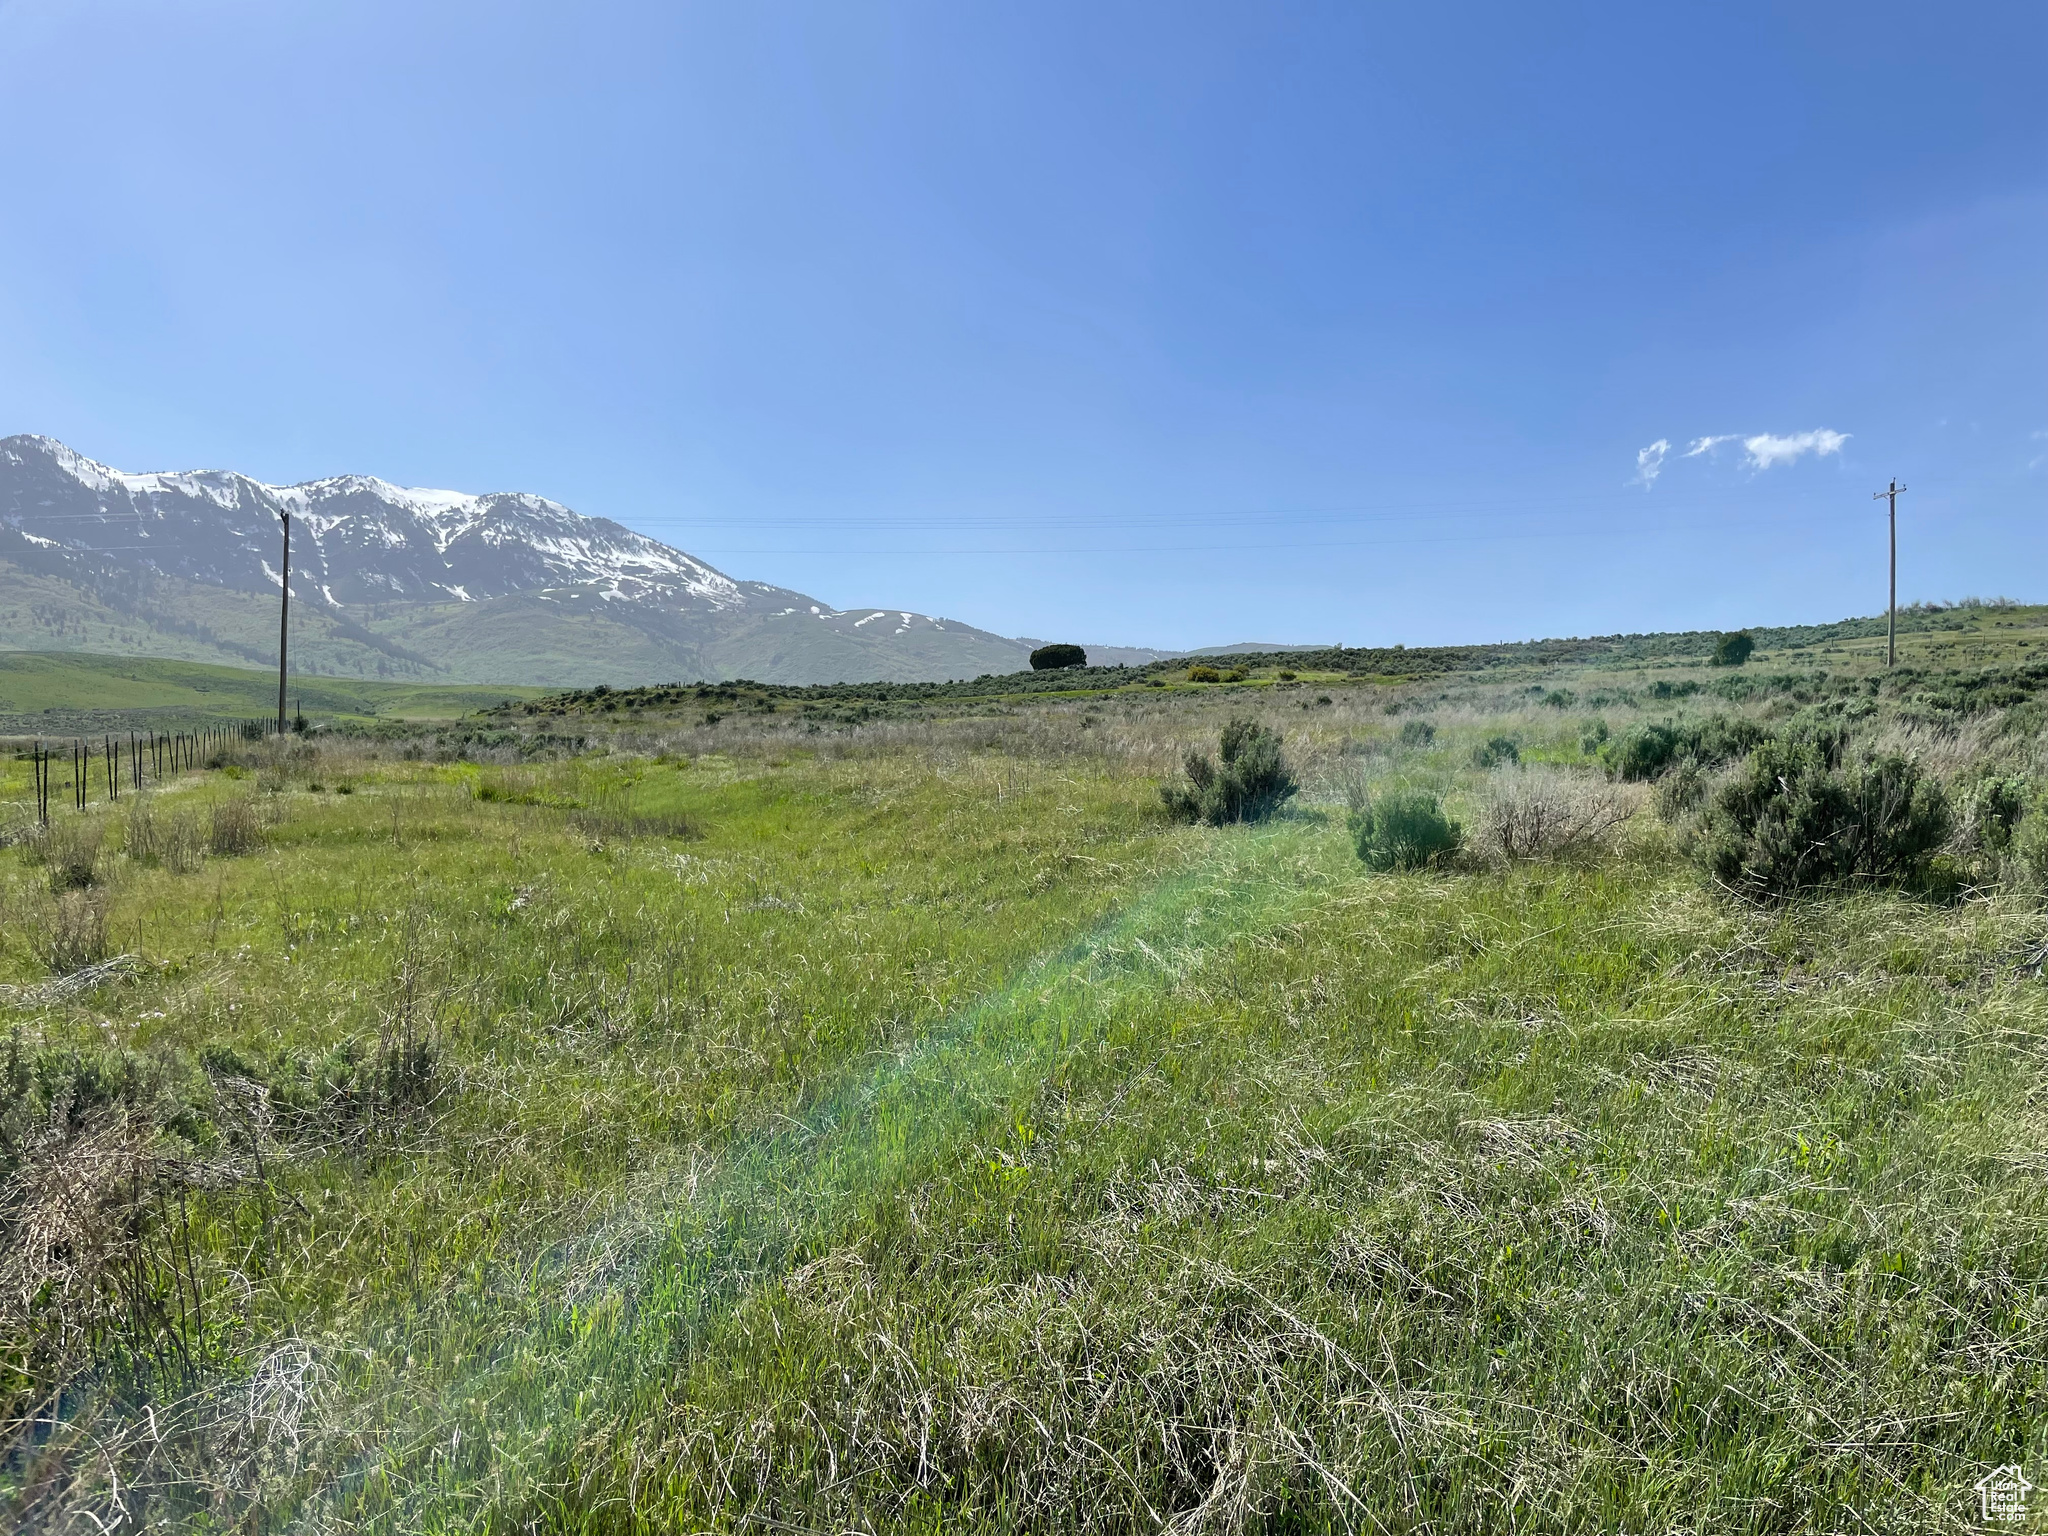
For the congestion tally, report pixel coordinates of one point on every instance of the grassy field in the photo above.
(54, 692)
(777, 1116)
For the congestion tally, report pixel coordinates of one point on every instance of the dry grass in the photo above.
(70, 848)
(70, 933)
(174, 840)
(1542, 812)
(234, 827)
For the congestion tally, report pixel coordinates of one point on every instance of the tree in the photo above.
(1048, 658)
(1732, 650)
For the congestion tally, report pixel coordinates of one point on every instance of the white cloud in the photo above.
(1650, 462)
(1767, 448)
(1702, 445)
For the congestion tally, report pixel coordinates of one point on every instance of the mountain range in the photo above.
(393, 582)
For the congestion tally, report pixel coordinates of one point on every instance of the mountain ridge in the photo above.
(391, 580)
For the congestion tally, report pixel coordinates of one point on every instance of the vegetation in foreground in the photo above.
(907, 1123)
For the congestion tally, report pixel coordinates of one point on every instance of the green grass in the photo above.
(74, 684)
(905, 1127)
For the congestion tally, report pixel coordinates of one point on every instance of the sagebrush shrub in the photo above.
(2026, 855)
(1648, 749)
(1681, 791)
(1992, 808)
(1251, 782)
(1795, 817)
(1495, 751)
(1417, 733)
(1544, 813)
(1404, 829)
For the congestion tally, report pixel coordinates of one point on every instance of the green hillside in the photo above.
(58, 691)
(570, 637)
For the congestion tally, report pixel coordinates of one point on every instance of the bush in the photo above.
(1404, 829)
(1560, 698)
(1251, 783)
(1048, 658)
(1681, 791)
(1796, 819)
(1732, 651)
(1204, 674)
(1541, 812)
(1417, 733)
(1992, 810)
(1649, 749)
(1495, 751)
(1593, 737)
(2026, 856)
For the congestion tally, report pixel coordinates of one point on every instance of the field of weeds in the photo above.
(904, 1124)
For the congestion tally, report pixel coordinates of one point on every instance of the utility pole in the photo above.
(1891, 613)
(284, 612)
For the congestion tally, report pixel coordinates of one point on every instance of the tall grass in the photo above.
(907, 1127)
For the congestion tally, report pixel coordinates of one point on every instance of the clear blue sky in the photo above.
(1155, 324)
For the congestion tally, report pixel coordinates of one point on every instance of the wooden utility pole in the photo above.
(284, 612)
(1891, 613)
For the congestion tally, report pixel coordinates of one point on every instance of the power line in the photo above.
(1468, 537)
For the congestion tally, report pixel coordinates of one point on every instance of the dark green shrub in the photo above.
(1680, 791)
(1795, 818)
(1649, 749)
(1404, 829)
(1645, 752)
(1048, 658)
(1250, 784)
(1994, 807)
(1593, 737)
(1417, 733)
(1495, 751)
(1204, 674)
(1732, 651)
(1722, 738)
(1560, 698)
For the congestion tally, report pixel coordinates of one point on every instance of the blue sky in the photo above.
(1165, 324)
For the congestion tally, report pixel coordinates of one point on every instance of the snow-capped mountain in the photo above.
(356, 539)
(389, 567)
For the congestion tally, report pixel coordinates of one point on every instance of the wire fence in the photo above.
(83, 769)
